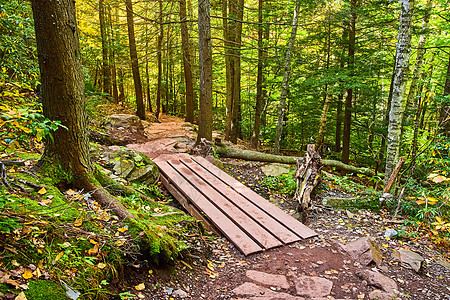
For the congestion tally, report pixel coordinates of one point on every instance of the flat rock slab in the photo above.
(275, 169)
(256, 292)
(409, 258)
(278, 281)
(379, 280)
(313, 287)
(364, 250)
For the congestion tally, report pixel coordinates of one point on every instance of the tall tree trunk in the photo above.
(349, 96)
(106, 71)
(114, 40)
(187, 64)
(444, 114)
(327, 98)
(419, 56)
(260, 90)
(337, 137)
(134, 62)
(236, 94)
(121, 87)
(205, 66)
(286, 75)
(399, 86)
(160, 39)
(228, 36)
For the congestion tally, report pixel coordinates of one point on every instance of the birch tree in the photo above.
(398, 101)
(287, 74)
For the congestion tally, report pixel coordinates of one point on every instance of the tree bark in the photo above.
(307, 176)
(444, 114)
(349, 96)
(140, 112)
(205, 66)
(284, 86)
(399, 86)
(419, 57)
(160, 39)
(62, 88)
(187, 65)
(106, 70)
(114, 40)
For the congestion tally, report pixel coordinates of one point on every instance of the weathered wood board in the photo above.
(249, 221)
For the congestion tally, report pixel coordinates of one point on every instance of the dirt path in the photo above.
(316, 268)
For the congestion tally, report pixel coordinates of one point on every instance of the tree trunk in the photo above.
(121, 87)
(160, 39)
(399, 86)
(134, 62)
(205, 66)
(260, 90)
(114, 40)
(62, 89)
(106, 71)
(349, 96)
(187, 64)
(444, 114)
(337, 137)
(307, 176)
(286, 75)
(236, 94)
(228, 36)
(419, 57)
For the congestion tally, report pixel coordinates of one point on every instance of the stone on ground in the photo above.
(256, 292)
(275, 169)
(379, 280)
(277, 281)
(409, 258)
(313, 287)
(380, 295)
(131, 122)
(364, 250)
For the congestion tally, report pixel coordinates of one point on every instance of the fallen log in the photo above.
(307, 176)
(225, 151)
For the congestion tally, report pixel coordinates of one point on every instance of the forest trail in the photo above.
(317, 268)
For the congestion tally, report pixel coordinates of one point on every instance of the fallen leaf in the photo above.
(101, 265)
(21, 296)
(78, 222)
(120, 242)
(122, 229)
(70, 192)
(27, 274)
(58, 257)
(42, 191)
(40, 264)
(140, 287)
(94, 250)
(12, 282)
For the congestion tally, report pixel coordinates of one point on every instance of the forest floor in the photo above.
(217, 270)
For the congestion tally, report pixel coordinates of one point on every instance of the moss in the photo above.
(28, 155)
(45, 290)
(53, 171)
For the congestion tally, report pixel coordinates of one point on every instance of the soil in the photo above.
(216, 267)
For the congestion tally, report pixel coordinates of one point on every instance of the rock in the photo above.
(214, 161)
(380, 295)
(313, 287)
(379, 280)
(364, 250)
(275, 169)
(409, 258)
(278, 281)
(124, 167)
(147, 174)
(125, 121)
(256, 292)
(180, 294)
(444, 263)
(390, 233)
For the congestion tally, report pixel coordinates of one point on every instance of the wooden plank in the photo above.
(260, 216)
(285, 219)
(244, 221)
(237, 236)
(187, 205)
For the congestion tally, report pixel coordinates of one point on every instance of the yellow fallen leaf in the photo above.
(93, 250)
(120, 242)
(42, 191)
(101, 265)
(140, 287)
(78, 222)
(27, 274)
(21, 296)
(58, 257)
(70, 192)
(37, 273)
(94, 242)
(122, 229)
(40, 264)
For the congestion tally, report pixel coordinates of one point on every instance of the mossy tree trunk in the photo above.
(62, 89)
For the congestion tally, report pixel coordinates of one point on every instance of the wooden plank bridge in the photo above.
(249, 221)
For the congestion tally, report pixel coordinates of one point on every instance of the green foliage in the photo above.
(283, 184)
(24, 127)
(18, 60)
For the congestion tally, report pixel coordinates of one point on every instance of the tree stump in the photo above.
(307, 176)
